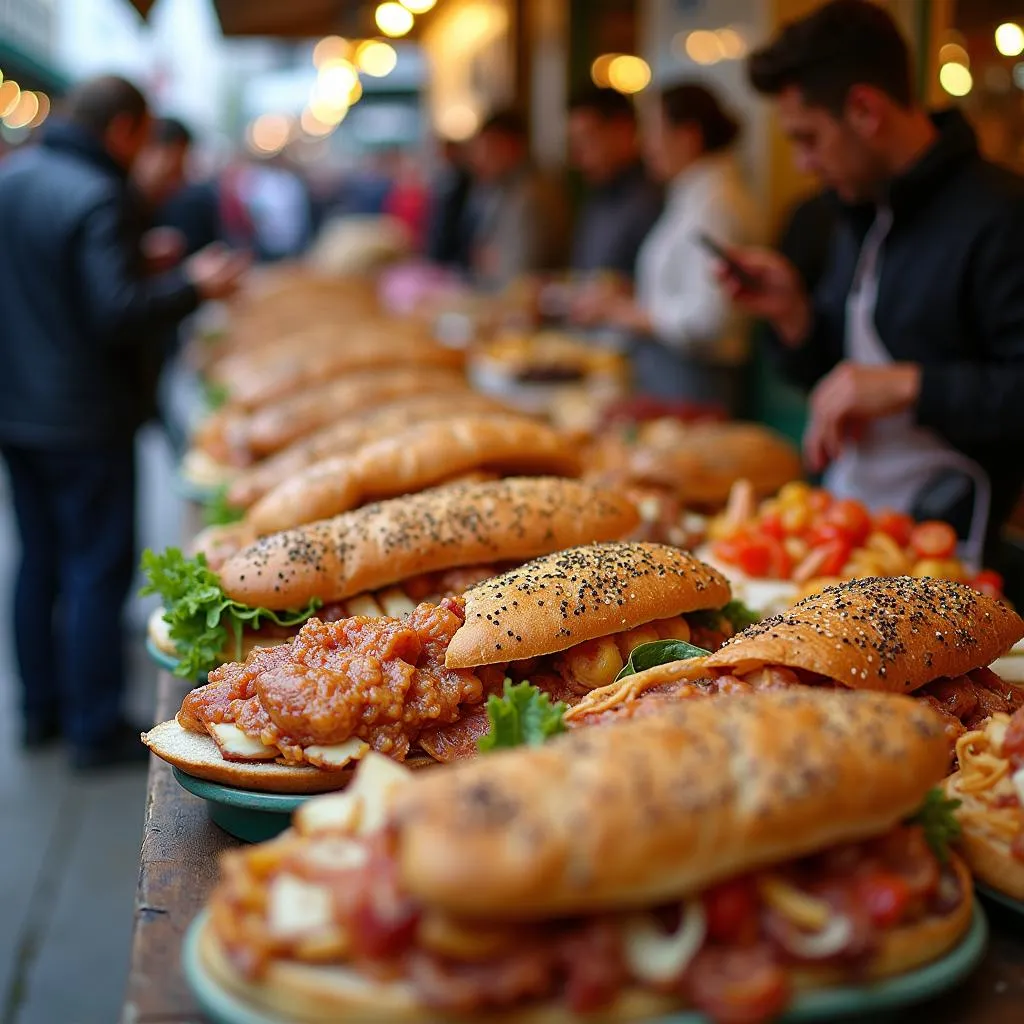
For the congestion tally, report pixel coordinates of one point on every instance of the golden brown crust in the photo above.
(444, 528)
(734, 783)
(893, 634)
(418, 457)
(350, 431)
(563, 599)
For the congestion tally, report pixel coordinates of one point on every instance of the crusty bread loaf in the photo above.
(299, 365)
(562, 599)
(352, 431)
(279, 424)
(418, 457)
(384, 543)
(885, 633)
(653, 810)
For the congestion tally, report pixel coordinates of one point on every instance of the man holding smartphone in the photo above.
(913, 341)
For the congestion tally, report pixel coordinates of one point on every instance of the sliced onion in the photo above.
(949, 894)
(656, 957)
(820, 945)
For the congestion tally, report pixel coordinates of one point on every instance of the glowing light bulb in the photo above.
(955, 79)
(1010, 39)
(629, 75)
(419, 6)
(393, 19)
(376, 58)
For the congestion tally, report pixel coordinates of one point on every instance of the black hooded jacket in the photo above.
(950, 298)
(80, 323)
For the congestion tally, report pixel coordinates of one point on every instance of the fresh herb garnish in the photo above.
(218, 511)
(659, 652)
(215, 395)
(939, 823)
(198, 613)
(524, 715)
(735, 613)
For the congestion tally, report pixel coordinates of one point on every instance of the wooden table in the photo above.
(179, 867)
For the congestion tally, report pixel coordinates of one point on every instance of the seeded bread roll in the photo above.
(563, 599)
(893, 633)
(275, 426)
(466, 524)
(421, 456)
(650, 811)
(352, 431)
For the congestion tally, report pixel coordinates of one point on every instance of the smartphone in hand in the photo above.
(749, 282)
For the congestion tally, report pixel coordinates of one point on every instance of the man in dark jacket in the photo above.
(80, 314)
(913, 340)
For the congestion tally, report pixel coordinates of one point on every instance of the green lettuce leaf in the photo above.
(524, 715)
(736, 613)
(218, 511)
(659, 652)
(214, 395)
(199, 615)
(939, 822)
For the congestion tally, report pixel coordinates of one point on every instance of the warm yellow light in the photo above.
(1010, 39)
(10, 93)
(356, 93)
(313, 126)
(328, 111)
(338, 78)
(376, 58)
(704, 47)
(44, 110)
(269, 133)
(393, 19)
(419, 6)
(23, 113)
(954, 53)
(330, 48)
(732, 45)
(600, 68)
(458, 122)
(955, 79)
(629, 74)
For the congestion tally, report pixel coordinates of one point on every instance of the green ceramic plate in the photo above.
(225, 1008)
(167, 661)
(988, 893)
(243, 813)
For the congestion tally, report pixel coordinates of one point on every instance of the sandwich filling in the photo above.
(730, 951)
(343, 687)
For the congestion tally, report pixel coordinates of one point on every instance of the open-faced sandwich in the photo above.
(989, 786)
(932, 638)
(725, 857)
(422, 684)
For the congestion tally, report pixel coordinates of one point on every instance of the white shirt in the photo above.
(676, 282)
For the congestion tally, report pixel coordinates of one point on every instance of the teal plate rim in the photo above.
(1001, 898)
(224, 1007)
(232, 796)
(167, 661)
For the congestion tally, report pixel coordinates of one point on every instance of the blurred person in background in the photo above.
(447, 227)
(408, 200)
(622, 202)
(517, 215)
(80, 314)
(279, 204)
(688, 344)
(913, 341)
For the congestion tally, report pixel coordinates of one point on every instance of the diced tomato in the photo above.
(771, 524)
(933, 539)
(837, 555)
(897, 525)
(756, 554)
(795, 519)
(731, 910)
(988, 582)
(852, 519)
(886, 897)
(819, 501)
(738, 986)
(821, 532)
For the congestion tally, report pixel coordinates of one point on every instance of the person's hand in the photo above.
(162, 249)
(216, 271)
(851, 396)
(774, 291)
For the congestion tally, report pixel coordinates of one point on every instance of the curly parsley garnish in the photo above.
(939, 823)
(524, 715)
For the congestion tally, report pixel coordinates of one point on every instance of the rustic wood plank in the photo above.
(178, 868)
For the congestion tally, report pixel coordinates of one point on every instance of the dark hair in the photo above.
(94, 104)
(690, 103)
(843, 44)
(169, 131)
(607, 104)
(505, 122)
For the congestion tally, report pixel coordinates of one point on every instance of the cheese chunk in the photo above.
(234, 745)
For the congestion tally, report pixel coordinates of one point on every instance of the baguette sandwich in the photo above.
(725, 858)
(565, 622)
(989, 786)
(933, 638)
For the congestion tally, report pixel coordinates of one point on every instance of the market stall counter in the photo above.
(179, 868)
